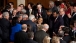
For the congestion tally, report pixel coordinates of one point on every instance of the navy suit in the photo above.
(57, 23)
(32, 24)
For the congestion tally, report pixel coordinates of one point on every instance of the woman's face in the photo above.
(40, 20)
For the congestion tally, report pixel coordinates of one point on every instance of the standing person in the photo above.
(5, 26)
(64, 17)
(30, 10)
(21, 36)
(40, 12)
(30, 21)
(61, 35)
(74, 13)
(57, 22)
(16, 27)
(30, 37)
(52, 6)
(11, 6)
(41, 34)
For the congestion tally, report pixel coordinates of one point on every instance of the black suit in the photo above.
(28, 12)
(21, 37)
(32, 24)
(42, 13)
(31, 41)
(72, 34)
(57, 23)
(62, 41)
(66, 21)
(5, 26)
(67, 38)
(39, 36)
(73, 16)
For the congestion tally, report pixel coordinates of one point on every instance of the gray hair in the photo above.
(45, 26)
(19, 15)
(24, 16)
(5, 14)
(51, 3)
(31, 17)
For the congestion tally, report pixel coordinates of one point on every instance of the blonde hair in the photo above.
(55, 40)
(46, 39)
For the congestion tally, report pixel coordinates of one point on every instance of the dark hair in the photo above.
(11, 3)
(7, 7)
(61, 33)
(31, 4)
(55, 11)
(21, 4)
(66, 29)
(14, 21)
(30, 34)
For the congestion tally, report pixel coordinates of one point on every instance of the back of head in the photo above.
(66, 29)
(24, 27)
(45, 27)
(25, 17)
(5, 15)
(14, 21)
(60, 33)
(30, 35)
(32, 18)
(55, 39)
(46, 39)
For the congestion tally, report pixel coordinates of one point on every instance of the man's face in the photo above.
(61, 12)
(74, 9)
(39, 6)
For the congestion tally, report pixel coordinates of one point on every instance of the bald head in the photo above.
(24, 27)
(45, 27)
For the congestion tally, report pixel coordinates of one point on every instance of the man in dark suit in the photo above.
(31, 36)
(30, 22)
(21, 37)
(57, 22)
(40, 12)
(39, 35)
(30, 10)
(60, 35)
(66, 37)
(5, 26)
(52, 6)
(74, 13)
(65, 17)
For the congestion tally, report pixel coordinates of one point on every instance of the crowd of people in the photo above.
(36, 24)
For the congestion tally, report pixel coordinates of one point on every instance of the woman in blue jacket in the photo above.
(16, 27)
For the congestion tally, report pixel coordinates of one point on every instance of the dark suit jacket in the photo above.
(53, 9)
(62, 41)
(28, 13)
(31, 41)
(32, 24)
(39, 36)
(56, 24)
(43, 14)
(5, 26)
(67, 38)
(72, 34)
(73, 17)
(21, 37)
(66, 21)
